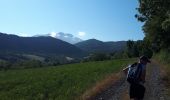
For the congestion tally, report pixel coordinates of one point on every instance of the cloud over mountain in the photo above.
(65, 37)
(81, 34)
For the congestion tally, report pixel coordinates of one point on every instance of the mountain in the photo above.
(117, 45)
(93, 45)
(42, 45)
(63, 36)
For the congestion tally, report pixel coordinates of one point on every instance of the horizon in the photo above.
(102, 20)
(46, 35)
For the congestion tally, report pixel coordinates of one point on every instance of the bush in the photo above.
(27, 64)
(164, 56)
(4, 65)
(98, 57)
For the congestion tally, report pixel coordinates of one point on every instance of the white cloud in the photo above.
(67, 37)
(81, 34)
(54, 34)
(23, 34)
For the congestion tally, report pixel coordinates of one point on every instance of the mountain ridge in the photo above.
(52, 46)
(40, 45)
(94, 45)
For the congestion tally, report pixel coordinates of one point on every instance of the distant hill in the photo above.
(44, 45)
(93, 45)
(65, 37)
(117, 45)
(62, 36)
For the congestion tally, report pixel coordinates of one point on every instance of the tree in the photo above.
(156, 17)
(97, 57)
(5, 65)
(138, 48)
(130, 48)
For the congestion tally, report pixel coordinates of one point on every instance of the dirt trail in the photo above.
(155, 89)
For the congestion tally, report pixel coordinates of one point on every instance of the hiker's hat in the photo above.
(145, 59)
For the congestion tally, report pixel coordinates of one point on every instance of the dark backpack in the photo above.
(134, 73)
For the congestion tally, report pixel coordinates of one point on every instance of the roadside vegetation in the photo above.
(164, 59)
(155, 15)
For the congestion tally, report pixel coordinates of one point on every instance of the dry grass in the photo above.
(166, 81)
(101, 86)
(165, 72)
(125, 95)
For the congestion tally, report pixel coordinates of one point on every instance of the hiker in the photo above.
(136, 77)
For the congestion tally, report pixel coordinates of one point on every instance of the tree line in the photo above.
(155, 14)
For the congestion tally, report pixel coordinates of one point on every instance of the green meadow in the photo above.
(64, 82)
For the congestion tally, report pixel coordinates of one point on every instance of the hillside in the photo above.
(62, 36)
(117, 45)
(66, 82)
(93, 45)
(38, 45)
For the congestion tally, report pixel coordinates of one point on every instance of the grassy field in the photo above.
(66, 82)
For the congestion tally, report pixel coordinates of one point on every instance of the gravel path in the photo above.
(155, 89)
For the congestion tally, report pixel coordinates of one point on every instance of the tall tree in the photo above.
(130, 48)
(156, 17)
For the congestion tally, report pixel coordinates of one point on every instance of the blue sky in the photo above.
(106, 20)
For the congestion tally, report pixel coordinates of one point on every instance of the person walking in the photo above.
(136, 74)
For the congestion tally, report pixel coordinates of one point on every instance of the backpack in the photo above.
(134, 73)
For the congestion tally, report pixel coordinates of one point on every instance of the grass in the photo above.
(66, 82)
(164, 60)
(165, 72)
